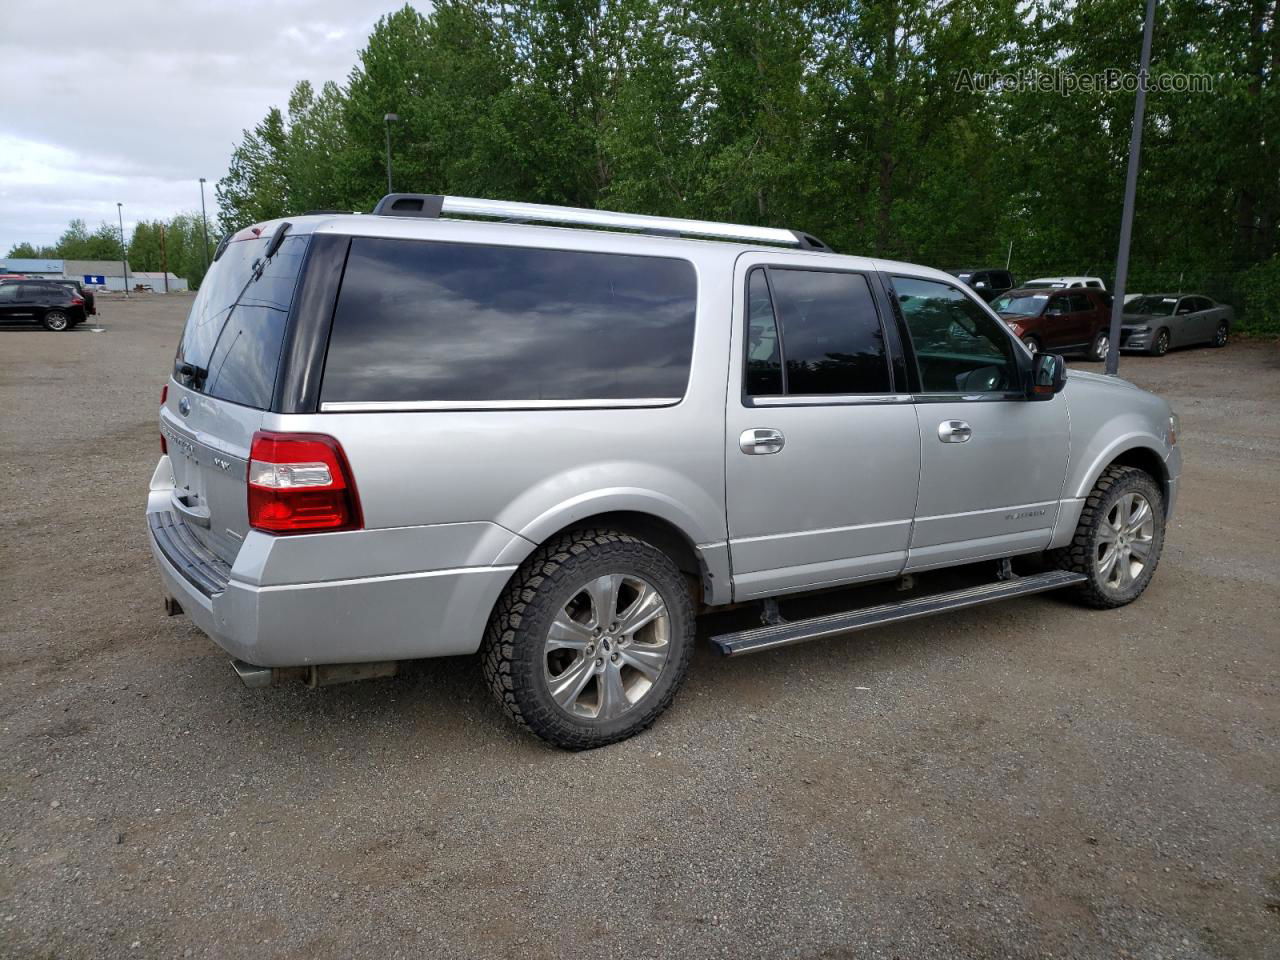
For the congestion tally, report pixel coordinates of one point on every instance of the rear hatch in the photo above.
(223, 379)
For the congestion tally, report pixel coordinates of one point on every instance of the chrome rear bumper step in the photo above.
(816, 628)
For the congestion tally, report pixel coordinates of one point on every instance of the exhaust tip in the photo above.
(251, 675)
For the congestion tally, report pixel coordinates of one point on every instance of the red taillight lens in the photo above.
(77, 301)
(300, 483)
(164, 396)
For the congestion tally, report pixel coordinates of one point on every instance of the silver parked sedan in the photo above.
(1156, 322)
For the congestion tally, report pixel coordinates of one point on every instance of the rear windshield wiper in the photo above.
(273, 245)
(191, 372)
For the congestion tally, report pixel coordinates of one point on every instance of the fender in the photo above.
(534, 528)
(1099, 459)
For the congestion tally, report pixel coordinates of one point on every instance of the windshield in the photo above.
(231, 345)
(1152, 306)
(1023, 304)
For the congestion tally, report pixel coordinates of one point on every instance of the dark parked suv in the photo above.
(1060, 321)
(985, 282)
(52, 303)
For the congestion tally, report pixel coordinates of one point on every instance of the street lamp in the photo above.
(389, 119)
(124, 255)
(204, 219)
(1130, 188)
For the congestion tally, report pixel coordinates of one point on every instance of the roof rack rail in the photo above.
(433, 206)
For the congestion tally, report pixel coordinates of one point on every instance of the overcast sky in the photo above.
(133, 102)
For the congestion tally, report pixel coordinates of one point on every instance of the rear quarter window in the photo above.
(426, 322)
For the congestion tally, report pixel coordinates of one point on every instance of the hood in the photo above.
(1138, 319)
(1100, 379)
(1018, 317)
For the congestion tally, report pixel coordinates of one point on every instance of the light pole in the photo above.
(1130, 189)
(124, 254)
(204, 219)
(389, 119)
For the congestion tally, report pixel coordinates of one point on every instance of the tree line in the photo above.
(177, 242)
(860, 122)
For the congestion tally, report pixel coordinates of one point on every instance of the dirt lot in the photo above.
(1024, 780)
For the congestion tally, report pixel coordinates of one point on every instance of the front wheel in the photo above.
(1101, 344)
(1221, 335)
(1160, 345)
(1032, 344)
(56, 320)
(1118, 540)
(591, 640)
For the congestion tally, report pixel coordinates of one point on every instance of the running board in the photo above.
(800, 631)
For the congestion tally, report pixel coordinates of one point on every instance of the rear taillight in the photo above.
(77, 301)
(300, 483)
(164, 396)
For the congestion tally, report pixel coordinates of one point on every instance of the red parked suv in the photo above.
(1060, 321)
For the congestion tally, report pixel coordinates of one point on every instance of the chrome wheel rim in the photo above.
(56, 321)
(1221, 337)
(1104, 344)
(607, 647)
(1031, 345)
(1125, 541)
(1162, 343)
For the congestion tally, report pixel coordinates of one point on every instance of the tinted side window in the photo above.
(8, 291)
(422, 321)
(832, 342)
(1080, 302)
(959, 346)
(764, 352)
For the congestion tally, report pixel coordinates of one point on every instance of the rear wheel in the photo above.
(56, 320)
(1160, 345)
(1118, 540)
(591, 640)
(1098, 349)
(1221, 335)
(1032, 344)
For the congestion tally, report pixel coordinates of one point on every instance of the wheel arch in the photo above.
(707, 564)
(1135, 451)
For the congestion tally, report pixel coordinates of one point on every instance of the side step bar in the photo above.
(800, 631)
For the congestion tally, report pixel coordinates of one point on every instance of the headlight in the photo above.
(1175, 427)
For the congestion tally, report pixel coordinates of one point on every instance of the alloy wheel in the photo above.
(1220, 338)
(1032, 345)
(55, 320)
(1125, 541)
(1100, 351)
(607, 647)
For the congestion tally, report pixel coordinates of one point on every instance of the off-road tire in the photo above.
(512, 655)
(1080, 555)
(1159, 343)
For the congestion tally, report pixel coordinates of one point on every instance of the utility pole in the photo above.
(164, 259)
(1130, 189)
(389, 119)
(124, 251)
(204, 219)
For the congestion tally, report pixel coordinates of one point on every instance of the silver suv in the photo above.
(456, 427)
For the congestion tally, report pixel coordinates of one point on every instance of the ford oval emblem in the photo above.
(184, 406)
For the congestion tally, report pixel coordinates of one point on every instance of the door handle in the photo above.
(189, 513)
(761, 440)
(954, 431)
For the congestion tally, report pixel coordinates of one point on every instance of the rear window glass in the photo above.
(236, 324)
(427, 322)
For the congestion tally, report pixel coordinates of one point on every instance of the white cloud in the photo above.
(136, 100)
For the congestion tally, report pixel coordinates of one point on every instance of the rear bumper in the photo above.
(400, 616)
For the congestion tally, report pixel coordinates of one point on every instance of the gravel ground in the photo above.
(1022, 780)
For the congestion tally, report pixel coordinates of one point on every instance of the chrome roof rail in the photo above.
(433, 206)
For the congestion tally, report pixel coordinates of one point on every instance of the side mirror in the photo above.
(1048, 376)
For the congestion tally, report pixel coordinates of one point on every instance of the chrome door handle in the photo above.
(761, 440)
(954, 431)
